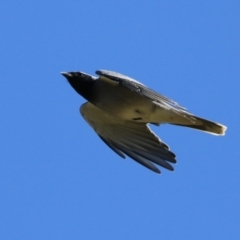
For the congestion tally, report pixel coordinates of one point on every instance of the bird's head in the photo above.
(81, 82)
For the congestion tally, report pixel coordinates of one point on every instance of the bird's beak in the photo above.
(66, 74)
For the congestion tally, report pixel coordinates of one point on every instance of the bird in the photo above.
(120, 109)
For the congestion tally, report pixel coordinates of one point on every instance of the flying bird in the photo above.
(120, 108)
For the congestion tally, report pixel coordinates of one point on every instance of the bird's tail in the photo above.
(206, 126)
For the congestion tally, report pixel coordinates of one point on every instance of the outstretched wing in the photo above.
(133, 139)
(141, 89)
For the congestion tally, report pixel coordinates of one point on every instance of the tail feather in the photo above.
(206, 126)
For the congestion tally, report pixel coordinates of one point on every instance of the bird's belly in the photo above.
(128, 105)
(122, 102)
(148, 112)
(145, 111)
(132, 107)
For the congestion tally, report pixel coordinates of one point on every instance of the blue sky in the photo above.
(57, 178)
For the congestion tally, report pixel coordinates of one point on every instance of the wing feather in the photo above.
(133, 139)
(116, 150)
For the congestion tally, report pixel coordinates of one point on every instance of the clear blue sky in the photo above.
(58, 180)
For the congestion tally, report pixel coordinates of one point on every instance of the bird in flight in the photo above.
(120, 108)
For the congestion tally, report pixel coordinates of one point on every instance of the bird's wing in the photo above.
(135, 140)
(141, 89)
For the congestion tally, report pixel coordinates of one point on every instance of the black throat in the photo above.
(85, 88)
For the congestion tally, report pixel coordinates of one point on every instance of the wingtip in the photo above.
(157, 171)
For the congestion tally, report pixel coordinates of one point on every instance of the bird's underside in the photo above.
(120, 109)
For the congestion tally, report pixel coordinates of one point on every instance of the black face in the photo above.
(82, 83)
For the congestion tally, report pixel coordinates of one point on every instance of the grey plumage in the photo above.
(119, 109)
